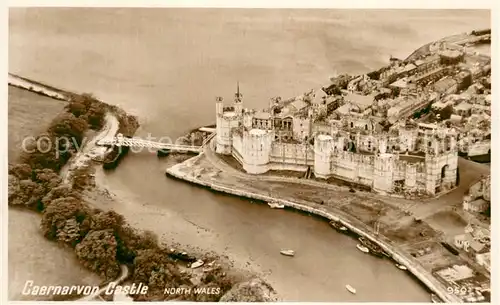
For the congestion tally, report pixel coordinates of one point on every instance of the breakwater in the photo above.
(329, 213)
(36, 87)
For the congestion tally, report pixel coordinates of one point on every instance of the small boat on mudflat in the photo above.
(350, 289)
(402, 267)
(374, 248)
(338, 226)
(275, 205)
(435, 299)
(197, 264)
(287, 252)
(362, 248)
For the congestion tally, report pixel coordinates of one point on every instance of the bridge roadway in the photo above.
(119, 140)
(138, 142)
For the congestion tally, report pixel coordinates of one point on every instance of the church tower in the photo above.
(238, 104)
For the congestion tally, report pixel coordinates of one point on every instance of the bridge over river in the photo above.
(120, 140)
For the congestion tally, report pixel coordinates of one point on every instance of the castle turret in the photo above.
(238, 102)
(383, 171)
(452, 139)
(410, 176)
(382, 145)
(323, 149)
(310, 112)
(257, 144)
(225, 122)
(441, 165)
(247, 119)
(340, 144)
(219, 106)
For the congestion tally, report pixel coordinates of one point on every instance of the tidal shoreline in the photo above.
(83, 160)
(345, 219)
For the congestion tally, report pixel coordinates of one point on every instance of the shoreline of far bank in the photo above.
(329, 213)
(218, 272)
(37, 87)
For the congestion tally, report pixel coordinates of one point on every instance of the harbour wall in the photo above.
(346, 220)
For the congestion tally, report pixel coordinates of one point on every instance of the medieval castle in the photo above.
(308, 134)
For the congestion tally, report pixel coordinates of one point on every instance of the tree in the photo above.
(130, 241)
(81, 178)
(106, 220)
(41, 153)
(67, 125)
(27, 192)
(30, 192)
(87, 107)
(57, 192)
(95, 115)
(86, 99)
(21, 171)
(255, 290)
(76, 108)
(97, 252)
(24, 192)
(152, 267)
(13, 187)
(69, 232)
(58, 212)
(47, 178)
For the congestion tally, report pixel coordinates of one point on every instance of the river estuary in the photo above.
(167, 66)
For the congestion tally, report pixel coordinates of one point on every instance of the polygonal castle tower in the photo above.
(441, 162)
(237, 136)
(323, 154)
(227, 118)
(383, 169)
(257, 145)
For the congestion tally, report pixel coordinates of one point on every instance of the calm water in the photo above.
(167, 66)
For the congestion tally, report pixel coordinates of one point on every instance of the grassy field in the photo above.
(31, 256)
(29, 114)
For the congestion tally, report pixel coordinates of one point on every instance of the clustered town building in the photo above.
(396, 130)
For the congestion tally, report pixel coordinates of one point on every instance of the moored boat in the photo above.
(338, 226)
(362, 248)
(374, 249)
(197, 264)
(275, 205)
(287, 252)
(435, 299)
(402, 267)
(350, 289)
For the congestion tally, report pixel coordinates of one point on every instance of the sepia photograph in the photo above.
(249, 154)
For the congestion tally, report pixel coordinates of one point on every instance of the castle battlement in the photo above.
(290, 136)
